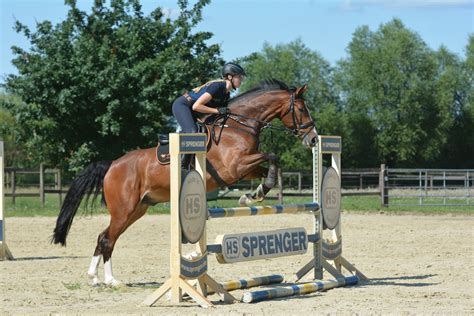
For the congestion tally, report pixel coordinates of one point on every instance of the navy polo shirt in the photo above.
(216, 88)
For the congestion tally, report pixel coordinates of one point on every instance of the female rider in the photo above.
(210, 98)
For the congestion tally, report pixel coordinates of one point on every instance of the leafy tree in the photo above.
(459, 78)
(396, 97)
(296, 65)
(9, 132)
(99, 84)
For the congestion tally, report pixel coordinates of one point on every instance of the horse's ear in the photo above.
(299, 91)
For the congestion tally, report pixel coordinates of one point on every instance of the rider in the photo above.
(210, 98)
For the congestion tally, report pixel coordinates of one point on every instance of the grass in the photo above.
(71, 286)
(31, 206)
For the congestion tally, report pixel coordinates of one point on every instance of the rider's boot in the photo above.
(186, 161)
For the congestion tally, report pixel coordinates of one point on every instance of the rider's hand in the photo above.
(223, 111)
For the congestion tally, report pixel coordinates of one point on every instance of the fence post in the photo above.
(467, 184)
(60, 187)
(299, 182)
(280, 186)
(383, 186)
(13, 186)
(42, 184)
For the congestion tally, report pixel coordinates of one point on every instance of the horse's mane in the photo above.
(265, 85)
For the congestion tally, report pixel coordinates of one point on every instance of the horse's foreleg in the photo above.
(263, 188)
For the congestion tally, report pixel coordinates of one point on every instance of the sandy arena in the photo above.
(417, 265)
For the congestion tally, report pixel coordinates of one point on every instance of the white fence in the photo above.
(435, 187)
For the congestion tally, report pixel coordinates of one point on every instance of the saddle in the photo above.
(205, 125)
(163, 147)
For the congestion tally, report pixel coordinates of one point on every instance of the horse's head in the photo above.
(272, 99)
(296, 116)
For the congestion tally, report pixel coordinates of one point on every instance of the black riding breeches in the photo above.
(183, 113)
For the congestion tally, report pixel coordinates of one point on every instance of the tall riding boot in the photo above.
(185, 161)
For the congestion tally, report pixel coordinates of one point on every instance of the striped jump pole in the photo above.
(298, 289)
(249, 283)
(261, 210)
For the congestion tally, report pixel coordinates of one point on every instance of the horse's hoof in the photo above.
(96, 282)
(246, 200)
(114, 283)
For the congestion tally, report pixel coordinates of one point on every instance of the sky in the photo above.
(243, 26)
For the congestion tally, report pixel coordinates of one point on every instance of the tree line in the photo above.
(99, 84)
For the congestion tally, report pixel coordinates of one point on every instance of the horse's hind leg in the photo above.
(94, 266)
(106, 242)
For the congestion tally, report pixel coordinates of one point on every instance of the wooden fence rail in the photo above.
(12, 185)
(295, 183)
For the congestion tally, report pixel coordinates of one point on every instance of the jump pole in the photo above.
(251, 282)
(5, 253)
(298, 289)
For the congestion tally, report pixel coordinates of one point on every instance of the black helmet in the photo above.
(232, 69)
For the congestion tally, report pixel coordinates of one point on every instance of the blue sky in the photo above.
(243, 26)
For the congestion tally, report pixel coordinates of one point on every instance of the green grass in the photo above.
(71, 286)
(31, 206)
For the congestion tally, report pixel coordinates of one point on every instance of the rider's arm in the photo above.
(200, 104)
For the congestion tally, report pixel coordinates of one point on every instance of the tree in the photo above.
(9, 132)
(397, 106)
(97, 85)
(458, 76)
(296, 65)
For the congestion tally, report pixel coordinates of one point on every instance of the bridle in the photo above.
(295, 129)
(296, 126)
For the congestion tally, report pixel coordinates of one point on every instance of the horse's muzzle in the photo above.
(311, 139)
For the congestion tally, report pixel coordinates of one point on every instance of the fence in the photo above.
(299, 184)
(433, 187)
(21, 182)
(352, 179)
(33, 183)
(451, 187)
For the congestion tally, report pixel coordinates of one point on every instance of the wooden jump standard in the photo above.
(188, 219)
(5, 253)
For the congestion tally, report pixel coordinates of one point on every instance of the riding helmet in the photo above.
(232, 69)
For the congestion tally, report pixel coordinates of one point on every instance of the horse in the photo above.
(137, 180)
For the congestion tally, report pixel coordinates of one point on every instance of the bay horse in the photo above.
(137, 180)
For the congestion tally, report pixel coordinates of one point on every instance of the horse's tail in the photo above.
(89, 181)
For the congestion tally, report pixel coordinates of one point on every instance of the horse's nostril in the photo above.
(313, 140)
